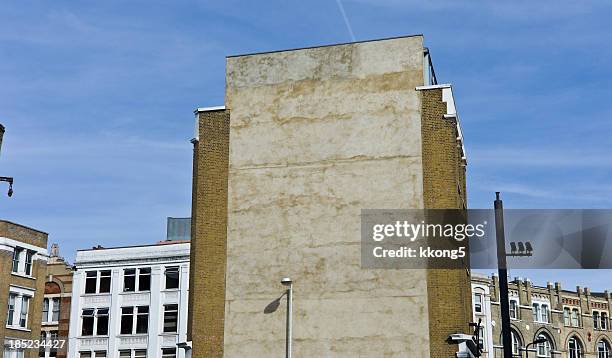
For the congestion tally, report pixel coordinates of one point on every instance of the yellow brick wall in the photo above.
(39, 269)
(449, 297)
(209, 235)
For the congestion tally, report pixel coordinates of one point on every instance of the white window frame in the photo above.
(514, 309)
(21, 255)
(135, 313)
(543, 350)
(95, 322)
(133, 352)
(178, 271)
(98, 279)
(178, 312)
(21, 295)
(575, 317)
(52, 304)
(605, 353)
(478, 302)
(578, 351)
(94, 354)
(137, 274)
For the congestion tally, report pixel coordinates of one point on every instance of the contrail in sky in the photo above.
(346, 20)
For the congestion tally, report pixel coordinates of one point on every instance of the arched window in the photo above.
(544, 348)
(574, 348)
(516, 344)
(603, 349)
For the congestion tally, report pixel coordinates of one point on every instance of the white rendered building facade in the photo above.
(130, 302)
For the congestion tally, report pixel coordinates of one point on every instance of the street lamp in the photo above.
(288, 283)
(537, 341)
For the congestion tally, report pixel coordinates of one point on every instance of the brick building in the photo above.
(23, 267)
(306, 139)
(575, 324)
(56, 304)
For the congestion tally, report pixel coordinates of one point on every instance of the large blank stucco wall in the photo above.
(315, 136)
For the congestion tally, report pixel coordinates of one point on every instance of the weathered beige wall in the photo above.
(315, 136)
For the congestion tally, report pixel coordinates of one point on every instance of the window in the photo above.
(478, 302)
(55, 313)
(105, 281)
(513, 309)
(91, 278)
(574, 348)
(102, 324)
(98, 281)
(100, 354)
(537, 315)
(28, 263)
(51, 310)
(170, 318)
(18, 308)
(22, 261)
(595, 319)
(137, 353)
(544, 349)
(603, 349)
(575, 317)
(142, 319)
(25, 307)
(87, 321)
(131, 283)
(138, 315)
(144, 279)
(45, 315)
(127, 320)
(84, 354)
(566, 317)
(516, 344)
(46, 350)
(12, 302)
(171, 353)
(96, 354)
(545, 314)
(94, 322)
(16, 258)
(129, 280)
(604, 321)
(13, 353)
(172, 277)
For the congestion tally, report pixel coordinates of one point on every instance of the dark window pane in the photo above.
(170, 318)
(127, 320)
(142, 320)
(88, 323)
(129, 283)
(105, 281)
(102, 326)
(144, 280)
(90, 282)
(172, 277)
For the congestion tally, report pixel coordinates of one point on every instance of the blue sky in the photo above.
(97, 98)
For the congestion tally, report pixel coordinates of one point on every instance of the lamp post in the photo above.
(503, 276)
(537, 341)
(289, 284)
